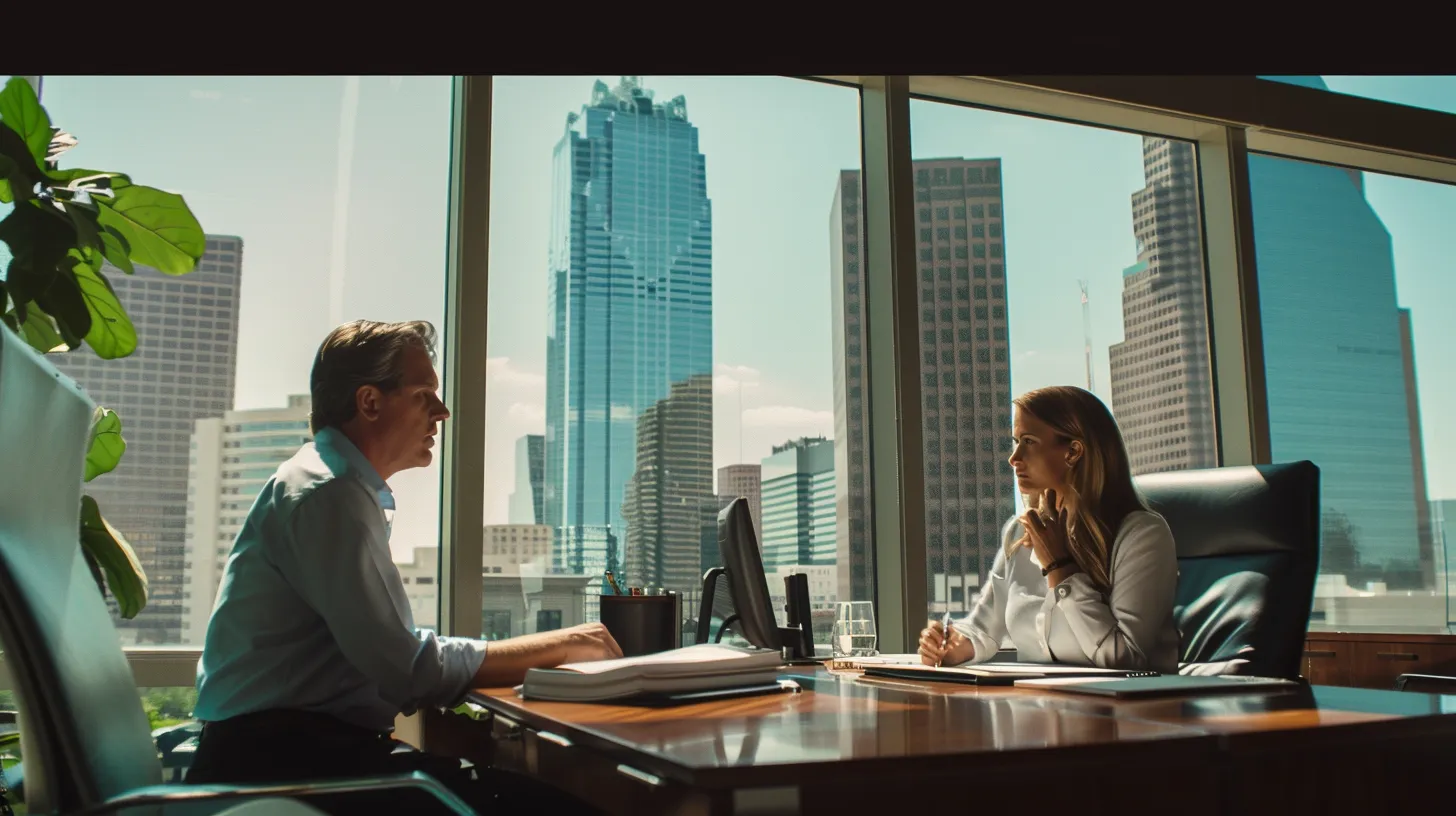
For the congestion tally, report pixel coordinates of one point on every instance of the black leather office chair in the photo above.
(87, 743)
(1248, 549)
(1426, 683)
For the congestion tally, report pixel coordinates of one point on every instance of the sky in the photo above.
(338, 187)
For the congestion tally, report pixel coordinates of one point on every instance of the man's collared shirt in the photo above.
(311, 613)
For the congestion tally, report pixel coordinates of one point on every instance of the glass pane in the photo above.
(1433, 92)
(661, 315)
(324, 199)
(1083, 267)
(1355, 297)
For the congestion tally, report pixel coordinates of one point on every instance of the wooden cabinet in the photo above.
(1374, 660)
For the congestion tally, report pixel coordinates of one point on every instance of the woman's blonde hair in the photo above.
(1101, 491)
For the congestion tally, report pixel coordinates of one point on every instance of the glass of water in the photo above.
(854, 629)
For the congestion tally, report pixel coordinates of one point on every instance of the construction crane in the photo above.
(1087, 334)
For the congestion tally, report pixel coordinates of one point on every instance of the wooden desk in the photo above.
(848, 744)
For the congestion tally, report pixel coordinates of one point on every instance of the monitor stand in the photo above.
(796, 640)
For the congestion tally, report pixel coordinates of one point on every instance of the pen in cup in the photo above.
(944, 637)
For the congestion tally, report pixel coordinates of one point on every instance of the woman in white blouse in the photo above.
(1087, 574)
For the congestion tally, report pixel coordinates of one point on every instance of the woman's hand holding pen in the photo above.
(941, 647)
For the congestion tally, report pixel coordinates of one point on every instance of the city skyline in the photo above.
(810, 133)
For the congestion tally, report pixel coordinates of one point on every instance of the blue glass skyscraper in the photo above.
(1338, 357)
(1334, 357)
(631, 309)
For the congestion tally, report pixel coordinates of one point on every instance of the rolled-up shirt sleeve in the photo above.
(343, 569)
(1118, 629)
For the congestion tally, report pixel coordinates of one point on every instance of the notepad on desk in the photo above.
(997, 674)
(1167, 685)
(687, 671)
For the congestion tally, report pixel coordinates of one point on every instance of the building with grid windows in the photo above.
(182, 371)
(232, 457)
(965, 371)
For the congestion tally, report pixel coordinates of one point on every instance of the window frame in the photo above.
(1227, 117)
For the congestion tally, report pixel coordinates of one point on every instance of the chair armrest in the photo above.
(183, 794)
(1429, 683)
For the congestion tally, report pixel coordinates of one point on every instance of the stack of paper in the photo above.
(704, 667)
(857, 663)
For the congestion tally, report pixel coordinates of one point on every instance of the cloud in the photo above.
(501, 370)
(789, 416)
(728, 378)
(210, 96)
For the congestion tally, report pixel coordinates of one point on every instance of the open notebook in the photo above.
(996, 674)
(705, 667)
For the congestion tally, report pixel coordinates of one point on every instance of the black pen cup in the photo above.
(642, 624)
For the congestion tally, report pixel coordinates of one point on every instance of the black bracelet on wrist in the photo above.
(1064, 561)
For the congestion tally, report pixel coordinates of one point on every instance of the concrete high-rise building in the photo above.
(420, 587)
(182, 371)
(232, 458)
(745, 481)
(1162, 385)
(630, 307)
(965, 371)
(799, 504)
(511, 545)
(525, 505)
(1339, 367)
(669, 504)
(519, 599)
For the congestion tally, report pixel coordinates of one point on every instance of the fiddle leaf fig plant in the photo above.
(61, 227)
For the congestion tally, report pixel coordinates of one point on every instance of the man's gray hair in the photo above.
(364, 352)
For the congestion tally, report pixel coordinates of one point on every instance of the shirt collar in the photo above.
(343, 456)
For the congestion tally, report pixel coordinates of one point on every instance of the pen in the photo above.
(944, 636)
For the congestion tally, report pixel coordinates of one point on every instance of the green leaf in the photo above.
(88, 233)
(124, 574)
(64, 299)
(107, 445)
(21, 111)
(112, 334)
(162, 231)
(115, 248)
(40, 331)
(8, 169)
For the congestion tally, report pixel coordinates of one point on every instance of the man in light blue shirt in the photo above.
(312, 651)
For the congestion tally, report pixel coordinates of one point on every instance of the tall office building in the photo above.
(630, 306)
(668, 504)
(232, 457)
(181, 371)
(965, 370)
(745, 481)
(525, 503)
(1340, 388)
(799, 504)
(1162, 385)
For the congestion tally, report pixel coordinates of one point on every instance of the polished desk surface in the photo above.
(871, 730)
(843, 717)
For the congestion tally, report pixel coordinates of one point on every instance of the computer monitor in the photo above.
(750, 604)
